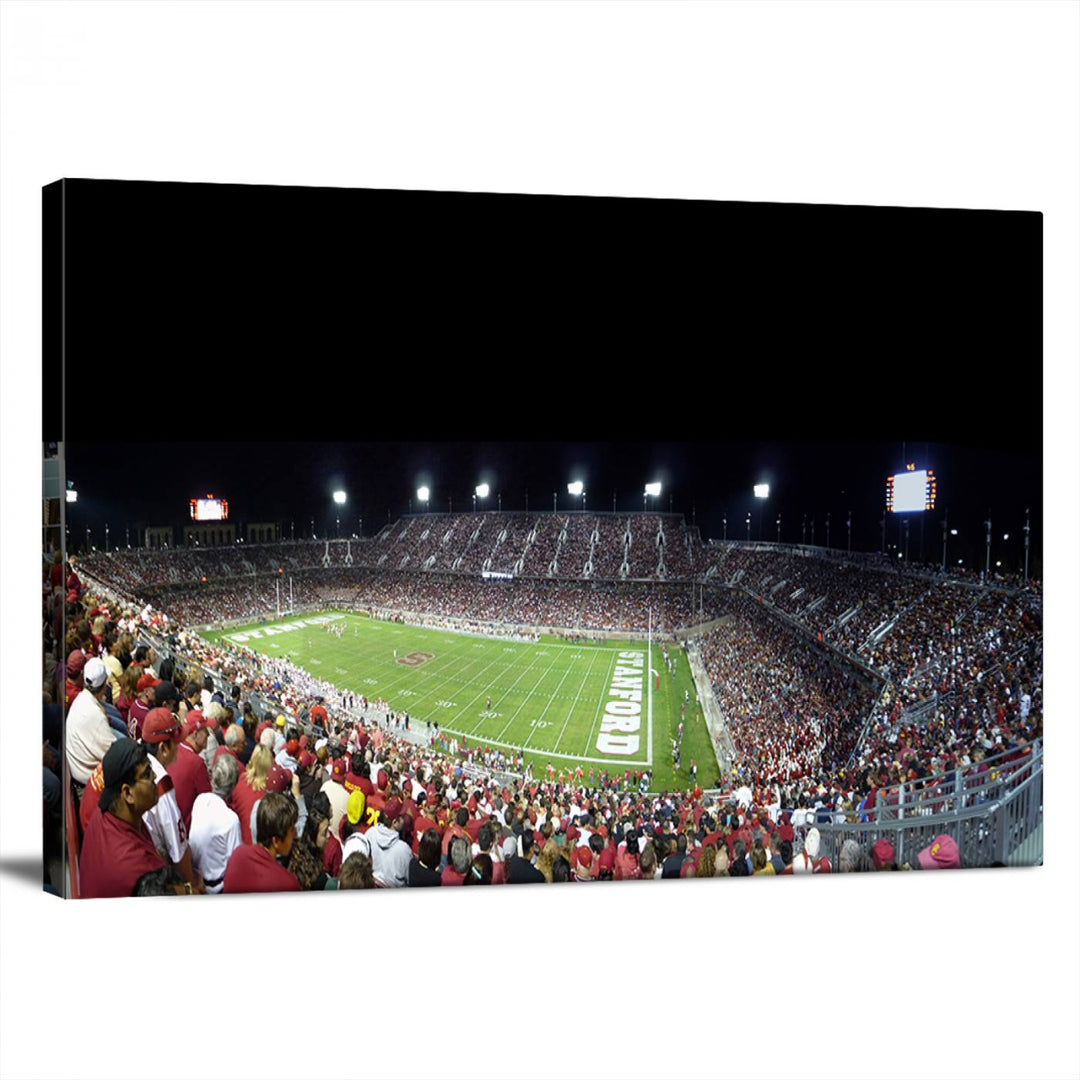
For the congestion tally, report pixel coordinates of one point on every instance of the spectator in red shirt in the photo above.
(254, 867)
(460, 859)
(626, 861)
(188, 771)
(117, 849)
(146, 690)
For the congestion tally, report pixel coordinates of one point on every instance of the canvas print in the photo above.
(320, 664)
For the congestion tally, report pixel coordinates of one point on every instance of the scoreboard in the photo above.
(911, 491)
(209, 509)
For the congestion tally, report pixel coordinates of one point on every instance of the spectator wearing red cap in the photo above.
(288, 756)
(187, 769)
(280, 780)
(215, 827)
(334, 789)
(117, 849)
(73, 685)
(161, 734)
(883, 855)
(87, 734)
(145, 689)
(254, 867)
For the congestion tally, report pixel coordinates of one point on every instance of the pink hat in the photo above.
(942, 854)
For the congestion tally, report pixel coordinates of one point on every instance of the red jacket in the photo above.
(253, 869)
(242, 802)
(114, 856)
(190, 780)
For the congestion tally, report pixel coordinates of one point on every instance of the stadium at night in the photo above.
(582, 661)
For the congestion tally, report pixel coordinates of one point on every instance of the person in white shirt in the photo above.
(207, 693)
(215, 828)
(164, 822)
(87, 734)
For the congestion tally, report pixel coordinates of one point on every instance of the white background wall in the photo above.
(931, 104)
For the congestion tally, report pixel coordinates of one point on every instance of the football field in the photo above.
(612, 706)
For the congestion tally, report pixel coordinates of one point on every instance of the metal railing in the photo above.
(989, 808)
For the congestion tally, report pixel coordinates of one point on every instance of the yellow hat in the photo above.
(355, 809)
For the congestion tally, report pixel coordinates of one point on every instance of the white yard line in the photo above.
(474, 728)
(600, 701)
(611, 762)
(551, 698)
(574, 705)
(470, 704)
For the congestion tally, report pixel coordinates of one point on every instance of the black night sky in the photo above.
(292, 483)
(270, 345)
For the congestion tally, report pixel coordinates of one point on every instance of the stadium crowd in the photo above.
(258, 776)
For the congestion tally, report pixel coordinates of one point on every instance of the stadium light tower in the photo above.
(653, 490)
(577, 487)
(482, 491)
(423, 494)
(107, 538)
(747, 525)
(778, 528)
(339, 497)
(761, 491)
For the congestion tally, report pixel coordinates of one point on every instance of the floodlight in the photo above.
(72, 495)
(339, 497)
(653, 489)
(423, 494)
(761, 491)
(482, 491)
(575, 488)
(1006, 537)
(952, 532)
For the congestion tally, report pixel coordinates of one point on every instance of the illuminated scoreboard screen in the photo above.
(911, 491)
(209, 509)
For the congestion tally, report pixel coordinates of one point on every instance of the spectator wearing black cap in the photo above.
(117, 849)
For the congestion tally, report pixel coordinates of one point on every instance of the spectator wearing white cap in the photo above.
(87, 732)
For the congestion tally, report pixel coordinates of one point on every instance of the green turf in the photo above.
(547, 699)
